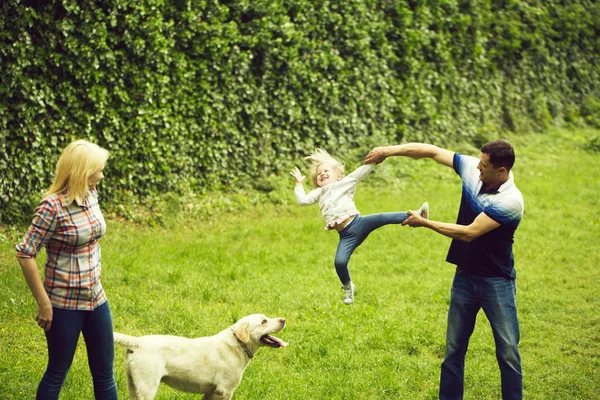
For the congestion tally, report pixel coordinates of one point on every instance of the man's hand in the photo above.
(377, 155)
(415, 220)
(297, 175)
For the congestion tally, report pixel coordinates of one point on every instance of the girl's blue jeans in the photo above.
(355, 233)
(497, 298)
(62, 338)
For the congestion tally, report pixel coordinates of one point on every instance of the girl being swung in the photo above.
(334, 193)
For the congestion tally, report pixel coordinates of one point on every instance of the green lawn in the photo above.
(196, 277)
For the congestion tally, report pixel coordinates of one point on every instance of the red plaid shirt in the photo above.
(70, 235)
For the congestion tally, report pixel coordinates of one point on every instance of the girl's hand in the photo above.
(297, 175)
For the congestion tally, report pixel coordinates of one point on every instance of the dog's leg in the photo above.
(218, 395)
(130, 385)
(145, 390)
(142, 382)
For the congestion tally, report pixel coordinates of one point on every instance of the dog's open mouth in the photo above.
(272, 341)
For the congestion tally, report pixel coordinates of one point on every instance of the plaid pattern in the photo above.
(70, 235)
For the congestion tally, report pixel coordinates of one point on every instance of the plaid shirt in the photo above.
(70, 234)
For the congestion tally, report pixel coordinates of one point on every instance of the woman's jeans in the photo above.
(62, 338)
(496, 296)
(356, 232)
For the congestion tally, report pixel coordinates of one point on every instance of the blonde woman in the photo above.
(335, 195)
(71, 300)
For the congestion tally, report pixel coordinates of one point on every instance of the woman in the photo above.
(71, 300)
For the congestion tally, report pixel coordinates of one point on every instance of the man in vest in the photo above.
(490, 211)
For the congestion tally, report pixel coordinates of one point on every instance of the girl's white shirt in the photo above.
(336, 200)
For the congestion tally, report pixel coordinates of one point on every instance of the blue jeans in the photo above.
(62, 338)
(355, 233)
(496, 296)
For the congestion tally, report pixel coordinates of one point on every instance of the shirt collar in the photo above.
(505, 186)
(64, 201)
(509, 182)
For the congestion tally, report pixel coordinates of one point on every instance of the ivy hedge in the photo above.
(200, 95)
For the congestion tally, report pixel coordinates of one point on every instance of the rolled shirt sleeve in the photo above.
(40, 231)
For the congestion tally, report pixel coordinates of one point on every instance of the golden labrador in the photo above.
(211, 365)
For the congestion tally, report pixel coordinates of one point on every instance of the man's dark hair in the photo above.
(501, 153)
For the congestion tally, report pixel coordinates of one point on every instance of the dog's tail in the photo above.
(125, 340)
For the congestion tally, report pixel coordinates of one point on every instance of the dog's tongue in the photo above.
(278, 341)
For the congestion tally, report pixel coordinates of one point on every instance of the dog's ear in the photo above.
(242, 331)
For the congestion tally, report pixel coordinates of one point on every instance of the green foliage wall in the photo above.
(193, 95)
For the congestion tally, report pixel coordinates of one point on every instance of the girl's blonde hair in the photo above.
(78, 161)
(319, 157)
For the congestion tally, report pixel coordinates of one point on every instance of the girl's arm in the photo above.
(361, 172)
(301, 197)
(305, 199)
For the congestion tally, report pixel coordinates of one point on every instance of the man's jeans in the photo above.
(62, 338)
(356, 232)
(496, 296)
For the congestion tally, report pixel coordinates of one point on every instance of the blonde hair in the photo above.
(78, 161)
(319, 157)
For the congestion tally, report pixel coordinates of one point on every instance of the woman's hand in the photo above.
(297, 175)
(44, 316)
(32, 276)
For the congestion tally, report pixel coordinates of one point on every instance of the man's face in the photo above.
(487, 173)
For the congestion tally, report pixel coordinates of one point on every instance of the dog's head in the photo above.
(258, 329)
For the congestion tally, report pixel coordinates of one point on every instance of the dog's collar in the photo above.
(246, 349)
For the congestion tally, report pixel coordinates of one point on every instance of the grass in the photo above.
(196, 277)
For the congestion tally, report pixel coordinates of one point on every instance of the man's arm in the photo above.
(413, 150)
(466, 233)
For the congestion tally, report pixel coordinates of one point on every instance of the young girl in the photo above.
(335, 195)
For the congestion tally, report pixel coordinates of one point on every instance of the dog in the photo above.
(211, 365)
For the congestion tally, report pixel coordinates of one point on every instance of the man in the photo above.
(490, 211)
